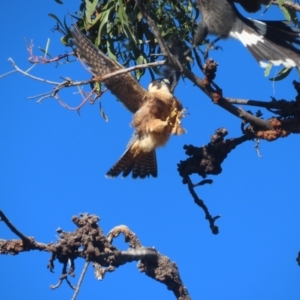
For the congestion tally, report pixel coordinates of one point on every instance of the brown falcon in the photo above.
(157, 112)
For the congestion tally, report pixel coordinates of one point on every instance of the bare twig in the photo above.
(43, 60)
(256, 146)
(129, 235)
(96, 79)
(85, 267)
(55, 286)
(29, 75)
(200, 203)
(61, 279)
(126, 70)
(69, 83)
(8, 73)
(207, 160)
(24, 238)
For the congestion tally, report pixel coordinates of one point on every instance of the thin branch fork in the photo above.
(201, 204)
(69, 83)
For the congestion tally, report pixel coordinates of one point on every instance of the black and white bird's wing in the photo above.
(278, 30)
(123, 86)
(269, 41)
(272, 42)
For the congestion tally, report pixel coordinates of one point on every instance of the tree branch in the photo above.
(287, 4)
(85, 267)
(24, 238)
(28, 75)
(204, 85)
(207, 160)
(201, 204)
(89, 242)
(69, 83)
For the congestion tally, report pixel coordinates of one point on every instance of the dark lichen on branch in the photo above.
(88, 242)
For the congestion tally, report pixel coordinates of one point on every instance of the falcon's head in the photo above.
(161, 84)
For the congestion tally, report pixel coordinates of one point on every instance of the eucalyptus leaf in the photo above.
(268, 69)
(281, 74)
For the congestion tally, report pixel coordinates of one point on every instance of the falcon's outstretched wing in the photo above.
(123, 86)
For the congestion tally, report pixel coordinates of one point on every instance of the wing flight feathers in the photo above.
(123, 86)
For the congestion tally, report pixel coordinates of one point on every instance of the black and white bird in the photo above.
(268, 41)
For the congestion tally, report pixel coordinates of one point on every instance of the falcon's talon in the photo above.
(168, 122)
(170, 118)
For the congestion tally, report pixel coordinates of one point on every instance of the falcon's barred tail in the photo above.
(142, 164)
(270, 41)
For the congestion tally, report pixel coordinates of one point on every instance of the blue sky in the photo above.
(53, 163)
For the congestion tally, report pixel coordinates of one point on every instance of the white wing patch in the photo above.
(288, 63)
(246, 38)
(253, 40)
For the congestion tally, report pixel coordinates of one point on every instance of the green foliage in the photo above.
(288, 13)
(282, 74)
(268, 69)
(117, 28)
(291, 16)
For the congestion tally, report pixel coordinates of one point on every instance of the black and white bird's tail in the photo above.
(141, 164)
(270, 41)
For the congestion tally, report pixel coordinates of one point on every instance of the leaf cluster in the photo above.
(117, 28)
